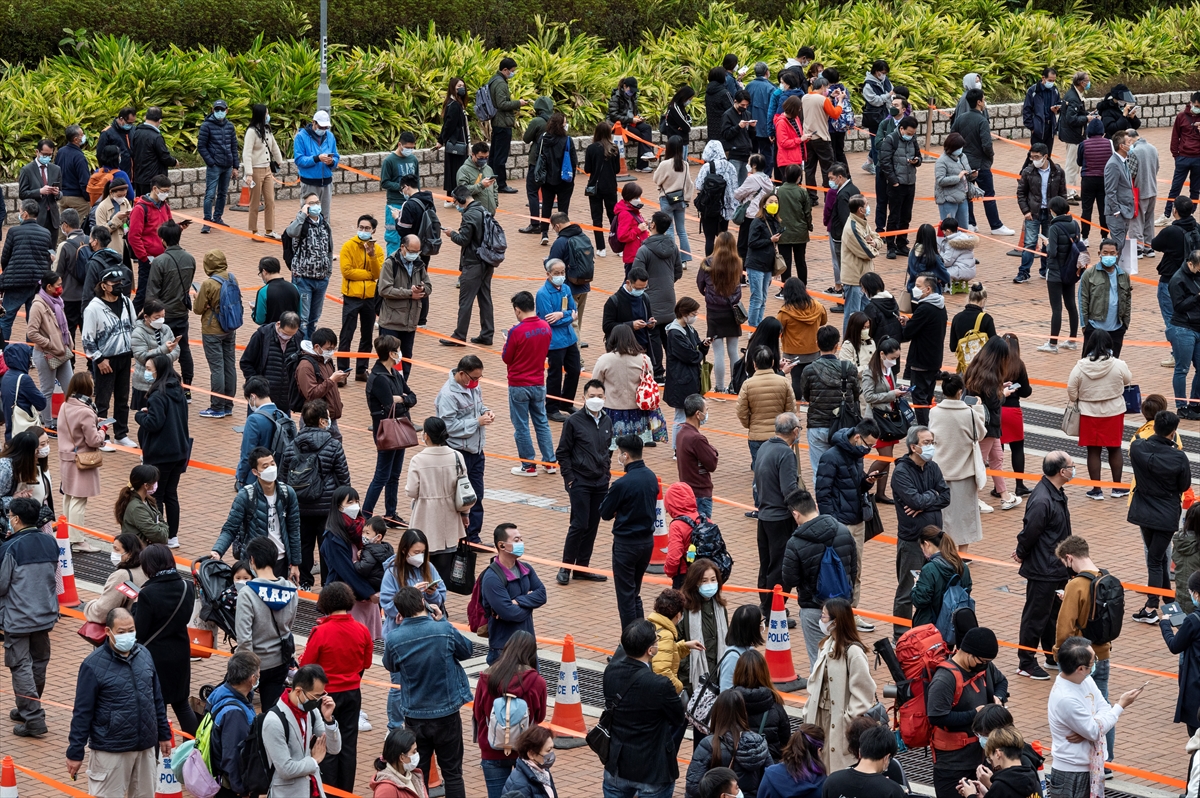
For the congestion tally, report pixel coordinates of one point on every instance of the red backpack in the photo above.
(920, 651)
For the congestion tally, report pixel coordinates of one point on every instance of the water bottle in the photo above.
(691, 554)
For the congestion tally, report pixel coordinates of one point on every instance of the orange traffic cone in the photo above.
(68, 596)
(8, 779)
(568, 712)
(437, 787)
(618, 135)
(658, 555)
(779, 648)
(167, 786)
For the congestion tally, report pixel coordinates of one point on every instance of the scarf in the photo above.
(401, 778)
(354, 527)
(697, 661)
(56, 304)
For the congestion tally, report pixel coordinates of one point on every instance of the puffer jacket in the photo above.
(629, 220)
(1058, 246)
(622, 107)
(841, 481)
(264, 358)
(806, 547)
(1098, 386)
(957, 251)
(118, 704)
(149, 154)
(1094, 152)
(1163, 472)
(821, 385)
(523, 782)
(148, 342)
(25, 256)
(28, 598)
(218, 144)
(919, 488)
(764, 396)
(397, 309)
(660, 257)
(671, 650)
(929, 591)
(894, 156)
(1029, 188)
(948, 187)
(795, 213)
(163, 425)
(17, 388)
(332, 458)
(360, 265)
(248, 519)
(751, 759)
(777, 730)
(1185, 553)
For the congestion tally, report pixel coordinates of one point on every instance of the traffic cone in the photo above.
(8, 779)
(779, 648)
(56, 399)
(64, 578)
(1036, 745)
(568, 712)
(167, 785)
(658, 555)
(618, 135)
(437, 788)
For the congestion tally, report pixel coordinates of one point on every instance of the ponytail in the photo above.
(946, 546)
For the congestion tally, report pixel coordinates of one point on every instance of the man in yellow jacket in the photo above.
(360, 262)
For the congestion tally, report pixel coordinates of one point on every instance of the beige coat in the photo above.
(846, 691)
(951, 422)
(97, 610)
(671, 651)
(77, 430)
(1099, 386)
(258, 154)
(43, 330)
(862, 358)
(397, 309)
(106, 216)
(876, 393)
(860, 246)
(764, 396)
(620, 375)
(432, 485)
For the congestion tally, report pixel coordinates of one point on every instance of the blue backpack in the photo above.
(954, 599)
(832, 581)
(229, 311)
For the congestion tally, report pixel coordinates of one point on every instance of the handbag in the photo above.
(539, 166)
(739, 313)
(1133, 398)
(847, 413)
(86, 461)
(567, 174)
(706, 370)
(22, 419)
(600, 736)
(872, 524)
(647, 396)
(456, 148)
(1070, 420)
(892, 426)
(780, 265)
(393, 433)
(464, 491)
(673, 197)
(700, 705)
(977, 455)
(93, 632)
(590, 190)
(460, 578)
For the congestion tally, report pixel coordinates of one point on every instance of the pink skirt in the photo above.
(1101, 431)
(1012, 424)
(367, 613)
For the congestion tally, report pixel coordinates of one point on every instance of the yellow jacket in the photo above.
(670, 649)
(360, 270)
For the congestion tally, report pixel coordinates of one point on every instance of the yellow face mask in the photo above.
(772, 208)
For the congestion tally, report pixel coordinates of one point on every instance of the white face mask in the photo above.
(691, 320)
(114, 558)
(158, 323)
(163, 196)
(825, 626)
(594, 403)
(917, 293)
(415, 560)
(351, 510)
(889, 364)
(412, 763)
(44, 451)
(269, 474)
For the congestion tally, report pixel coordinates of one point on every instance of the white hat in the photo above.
(321, 118)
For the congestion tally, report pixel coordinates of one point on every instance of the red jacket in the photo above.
(1185, 137)
(529, 685)
(679, 500)
(525, 351)
(791, 147)
(143, 228)
(628, 232)
(343, 647)
(384, 787)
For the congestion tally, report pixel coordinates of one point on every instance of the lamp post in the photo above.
(323, 101)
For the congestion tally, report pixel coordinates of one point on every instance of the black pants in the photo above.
(743, 238)
(167, 494)
(562, 192)
(406, 346)
(642, 130)
(908, 559)
(114, 387)
(819, 152)
(900, 205)
(945, 779)
(534, 198)
(312, 532)
(1157, 542)
(882, 193)
(73, 310)
(602, 203)
(585, 522)
(562, 378)
(187, 367)
(797, 253)
(337, 770)
(838, 140)
(271, 681)
(1058, 298)
(1091, 191)
(359, 313)
(772, 541)
(1039, 619)
(658, 348)
(476, 464)
(629, 563)
(711, 228)
(498, 155)
(143, 283)
(186, 716)
(443, 737)
(1117, 336)
(923, 383)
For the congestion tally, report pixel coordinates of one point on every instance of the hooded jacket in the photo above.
(1058, 246)
(795, 213)
(306, 148)
(118, 137)
(764, 396)
(749, 761)
(714, 159)
(99, 264)
(543, 107)
(800, 327)
(1185, 138)
(926, 332)
(919, 488)
(144, 220)
(163, 425)
(659, 256)
(895, 155)
(957, 251)
(335, 473)
(679, 500)
(1163, 472)
(1098, 386)
(670, 650)
(629, 219)
(1112, 110)
(884, 313)
(148, 342)
(805, 549)
(968, 82)
(860, 246)
(777, 730)
(840, 480)
(1047, 523)
(266, 609)
(623, 107)
(506, 106)
(17, 388)
(685, 352)
(716, 102)
(929, 591)
(1175, 241)
(469, 235)
(1020, 781)
(150, 154)
(736, 139)
(360, 267)
(217, 143)
(105, 334)
(823, 384)
(527, 685)
(233, 714)
(171, 276)
(28, 567)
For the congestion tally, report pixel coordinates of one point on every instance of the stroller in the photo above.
(218, 595)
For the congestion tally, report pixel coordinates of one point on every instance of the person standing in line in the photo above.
(261, 159)
(1183, 330)
(163, 435)
(763, 397)
(219, 343)
(264, 509)
(150, 212)
(151, 337)
(277, 296)
(525, 348)
(316, 438)
(1040, 181)
(108, 344)
(630, 505)
(960, 428)
(869, 778)
(717, 279)
(476, 176)
(503, 122)
(584, 458)
(298, 732)
(960, 687)
(266, 610)
(162, 614)
(403, 291)
(1097, 384)
(1039, 112)
(920, 493)
(836, 214)
(842, 485)
(976, 131)
(514, 676)
(899, 159)
(860, 247)
(825, 384)
(1145, 180)
(602, 163)
(171, 276)
(459, 403)
(149, 154)
(510, 591)
(230, 728)
(23, 260)
(75, 171)
(69, 267)
(40, 182)
(475, 281)
(312, 259)
(1119, 204)
(315, 153)
(455, 136)
(556, 306)
(47, 331)
(360, 264)
(119, 714)
(1185, 151)
(925, 331)
(776, 475)
(79, 432)
(399, 164)
(696, 458)
(217, 144)
(388, 396)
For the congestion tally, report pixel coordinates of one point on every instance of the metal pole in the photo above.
(930, 111)
(323, 102)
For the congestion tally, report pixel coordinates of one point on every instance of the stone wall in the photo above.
(1157, 110)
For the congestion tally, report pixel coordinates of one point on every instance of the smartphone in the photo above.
(185, 223)
(1143, 687)
(905, 388)
(107, 422)
(1016, 386)
(915, 575)
(1060, 594)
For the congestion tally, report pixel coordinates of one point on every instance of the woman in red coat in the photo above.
(514, 673)
(397, 773)
(789, 134)
(632, 229)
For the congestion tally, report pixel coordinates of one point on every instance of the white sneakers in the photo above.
(1048, 348)
(602, 253)
(128, 441)
(363, 723)
(1162, 221)
(1169, 363)
(173, 543)
(1009, 503)
(984, 507)
(1003, 230)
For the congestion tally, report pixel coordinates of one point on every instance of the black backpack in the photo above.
(581, 263)
(1106, 600)
(284, 435)
(710, 544)
(1068, 271)
(257, 770)
(429, 230)
(710, 200)
(305, 477)
(296, 399)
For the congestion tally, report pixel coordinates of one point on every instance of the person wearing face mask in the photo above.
(737, 131)
(943, 565)
(1008, 776)
(376, 552)
(877, 96)
(475, 280)
(399, 163)
(685, 355)
(217, 144)
(397, 774)
(126, 557)
(705, 621)
(556, 306)
(75, 171)
(455, 135)
(341, 548)
(959, 688)
(459, 403)
(48, 332)
(262, 423)
(971, 80)
(361, 264)
(268, 353)
(920, 493)
(410, 566)
(1120, 206)
(149, 153)
(925, 331)
(119, 714)
(388, 395)
(312, 734)
(972, 123)
(526, 346)
(765, 230)
(663, 262)
(1073, 118)
(233, 714)
(266, 611)
(312, 260)
(1040, 181)
(119, 135)
(858, 347)
(951, 180)
(163, 435)
(509, 590)
(277, 296)
(151, 337)
(1143, 163)
(860, 247)
(317, 377)
(841, 484)
(78, 432)
(315, 153)
(23, 260)
(695, 456)
(264, 508)
(161, 613)
(403, 291)
(150, 212)
(1039, 112)
(1106, 297)
(477, 177)
(315, 465)
(107, 342)
(261, 160)
(137, 510)
(584, 456)
(170, 283)
(40, 182)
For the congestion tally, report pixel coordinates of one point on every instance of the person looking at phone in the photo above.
(920, 493)
(41, 182)
(1186, 642)
(841, 485)
(318, 378)
(1079, 716)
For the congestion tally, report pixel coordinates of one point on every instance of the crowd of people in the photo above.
(875, 437)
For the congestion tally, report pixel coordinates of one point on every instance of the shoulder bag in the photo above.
(977, 455)
(700, 706)
(94, 632)
(1070, 420)
(22, 419)
(847, 413)
(174, 612)
(464, 492)
(600, 737)
(647, 389)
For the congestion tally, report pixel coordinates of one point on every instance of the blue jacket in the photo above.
(387, 592)
(840, 480)
(337, 557)
(1036, 113)
(118, 704)
(18, 358)
(778, 783)
(550, 300)
(777, 99)
(632, 504)
(259, 431)
(231, 728)
(497, 592)
(218, 143)
(522, 782)
(423, 655)
(75, 171)
(28, 564)
(305, 149)
(761, 91)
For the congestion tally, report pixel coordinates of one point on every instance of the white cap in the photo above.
(321, 118)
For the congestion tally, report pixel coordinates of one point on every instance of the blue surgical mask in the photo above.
(557, 280)
(637, 291)
(957, 153)
(1108, 260)
(125, 642)
(518, 548)
(1092, 670)
(833, 185)
(411, 257)
(906, 137)
(44, 160)
(1049, 84)
(314, 210)
(709, 590)
(1088, 87)
(407, 151)
(927, 452)
(218, 114)
(459, 208)
(363, 235)
(125, 126)
(148, 375)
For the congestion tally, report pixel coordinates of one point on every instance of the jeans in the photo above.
(818, 443)
(760, 284)
(1158, 566)
(1039, 618)
(1039, 225)
(704, 506)
(524, 403)
(856, 300)
(678, 213)
(1185, 347)
(444, 737)
(312, 300)
(754, 447)
(46, 379)
(957, 211)
(1185, 169)
(764, 147)
(1058, 298)
(562, 378)
(495, 774)
(985, 182)
(359, 313)
(216, 186)
(617, 787)
(271, 683)
(114, 386)
(1165, 306)
(222, 369)
(584, 524)
(475, 468)
(391, 236)
(14, 299)
(388, 465)
(629, 563)
(498, 158)
(1100, 677)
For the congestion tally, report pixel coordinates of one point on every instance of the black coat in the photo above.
(384, 382)
(821, 385)
(920, 488)
(964, 322)
(555, 149)
(735, 138)
(976, 132)
(645, 711)
(1047, 523)
(1016, 782)
(716, 102)
(620, 309)
(840, 480)
(163, 426)
(171, 649)
(1185, 641)
(678, 124)
(884, 313)
(25, 256)
(685, 353)
(116, 136)
(1162, 473)
(926, 334)
(264, 358)
(1184, 288)
(217, 143)
(841, 210)
(806, 547)
(749, 761)
(760, 251)
(601, 170)
(777, 730)
(1175, 241)
(1072, 117)
(150, 154)
(1058, 246)
(454, 124)
(522, 782)
(583, 452)
(335, 473)
(630, 504)
(1114, 119)
(118, 703)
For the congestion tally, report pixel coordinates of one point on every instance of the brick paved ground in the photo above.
(586, 610)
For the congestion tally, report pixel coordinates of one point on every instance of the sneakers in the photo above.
(1021, 278)
(1095, 494)
(1003, 230)
(524, 471)
(1120, 493)
(173, 543)
(863, 625)
(127, 441)
(1084, 241)
(1162, 221)
(602, 253)
(210, 412)
(1048, 348)
(779, 295)
(839, 290)
(108, 447)
(1035, 672)
(1012, 501)
(1169, 363)
(545, 241)
(363, 723)
(972, 228)
(1146, 615)
(550, 469)
(1070, 345)
(1051, 664)
(869, 167)
(985, 508)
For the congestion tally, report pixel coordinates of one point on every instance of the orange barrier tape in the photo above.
(65, 789)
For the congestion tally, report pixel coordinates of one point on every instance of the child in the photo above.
(374, 554)
(957, 249)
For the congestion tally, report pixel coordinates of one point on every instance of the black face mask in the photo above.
(461, 91)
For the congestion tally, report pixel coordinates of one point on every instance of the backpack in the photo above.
(429, 230)
(581, 263)
(844, 122)
(1068, 271)
(970, 344)
(208, 726)
(954, 599)
(477, 616)
(485, 109)
(710, 199)
(96, 183)
(737, 376)
(284, 435)
(832, 581)
(257, 771)
(1107, 601)
(494, 244)
(229, 307)
(509, 717)
(296, 399)
(305, 477)
(710, 544)
(69, 259)
(920, 651)
(289, 251)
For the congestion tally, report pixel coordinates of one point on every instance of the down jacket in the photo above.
(163, 425)
(248, 519)
(28, 563)
(806, 547)
(659, 256)
(778, 729)
(264, 358)
(1163, 473)
(671, 650)
(751, 759)
(217, 143)
(332, 458)
(17, 387)
(841, 481)
(118, 704)
(763, 397)
(957, 251)
(821, 386)
(26, 255)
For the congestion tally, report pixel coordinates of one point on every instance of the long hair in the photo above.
(752, 671)
(140, 475)
(766, 334)
(165, 374)
(802, 754)
(133, 546)
(762, 205)
(854, 328)
(984, 372)
(410, 538)
(691, 584)
(681, 96)
(844, 631)
(622, 341)
(603, 137)
(728, 717)
(888, 346)
(334, 522)
(22, 450)
(1012, 373)
(520, 654)
(926, 239)
(945, 544)
(724, 265)
(674, 152)
(795, 294)
(556, 126)
(258, 121)
(451, 95)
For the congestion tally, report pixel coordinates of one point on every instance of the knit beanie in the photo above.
(980, 642)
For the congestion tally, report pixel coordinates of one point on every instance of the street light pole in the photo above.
(323, 100)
